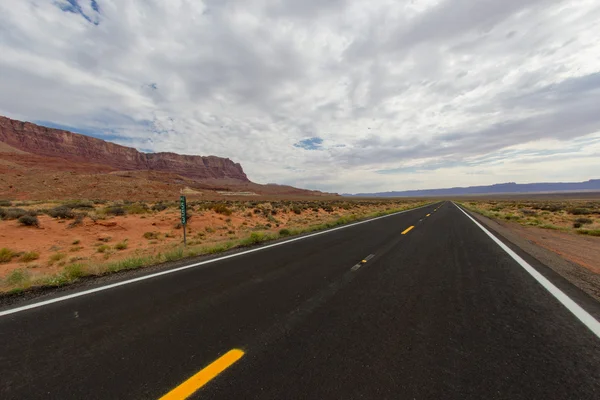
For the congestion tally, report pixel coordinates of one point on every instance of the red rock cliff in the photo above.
(50, 142)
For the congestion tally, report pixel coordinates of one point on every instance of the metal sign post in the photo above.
(183, 208)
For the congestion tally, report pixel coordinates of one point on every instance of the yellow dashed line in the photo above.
(187, 388)
(408, 230)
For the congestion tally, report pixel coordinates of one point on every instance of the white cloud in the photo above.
(436, 93)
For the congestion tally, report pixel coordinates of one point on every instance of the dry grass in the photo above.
(582, 217)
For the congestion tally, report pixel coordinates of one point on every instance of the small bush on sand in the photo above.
(76, 242)
(580, 211)
(284, 232)
(80, 205)
(103, 248)
(121, 245)
(590, 232)
(256, 238)
(61, 212)
(159, 207)
(74, 271)
(29, 220)
(14, 213)
(5, 203)
(17, 277)
(56, 257)
(584, 221)
(150, 235)
(115, 210)
(6, 255)
(29, 256)
(78, 220)
(137, 208)
(222, 209)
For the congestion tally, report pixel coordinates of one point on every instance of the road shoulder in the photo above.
(581, 277)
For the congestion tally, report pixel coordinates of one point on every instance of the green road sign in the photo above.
(183, 208)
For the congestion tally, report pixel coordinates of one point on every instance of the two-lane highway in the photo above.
(422, 304)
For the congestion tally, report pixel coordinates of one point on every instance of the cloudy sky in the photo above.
(337, 95)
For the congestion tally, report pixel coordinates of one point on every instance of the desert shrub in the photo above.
(136, 208)
(284, 232)
(15, 213)
(576, 225)
(17, 277)
(78, 220)
(159, 207)
(590, 232)
(29, 220)
(529, 213)
(328, 209)
(62, 212)
(580, 211)
(257, 211)
(74, 271)
(76, 241)
(5, 203)
(115, 210)
(255, 238)
(150, 235)
(56, 257)
(80, 205)
(29, 256)
(121, 245)
(103, 248)
(222, 209)
(6, 255)
(584, 221)
(104, 239)
(553, 207)
(297, 210)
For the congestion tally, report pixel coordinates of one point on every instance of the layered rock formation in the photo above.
(73, 147)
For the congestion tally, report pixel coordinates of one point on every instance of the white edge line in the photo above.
(356, 267)
(171, 271)
(369, 257)
(566, 301)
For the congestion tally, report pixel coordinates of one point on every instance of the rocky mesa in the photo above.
(77, 148)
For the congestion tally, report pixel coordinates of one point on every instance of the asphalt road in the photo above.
(439, 312)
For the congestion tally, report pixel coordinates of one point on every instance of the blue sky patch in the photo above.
(74, 7)
(104, 134)
(310, 144)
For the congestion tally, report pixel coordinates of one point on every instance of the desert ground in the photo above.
(52, 243)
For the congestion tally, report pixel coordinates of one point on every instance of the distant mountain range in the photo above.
(507, 188)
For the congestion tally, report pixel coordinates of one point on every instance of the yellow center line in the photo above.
(187, 388)
(428, 215)
(408, 230)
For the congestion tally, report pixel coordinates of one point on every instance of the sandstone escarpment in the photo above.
(49, 142)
